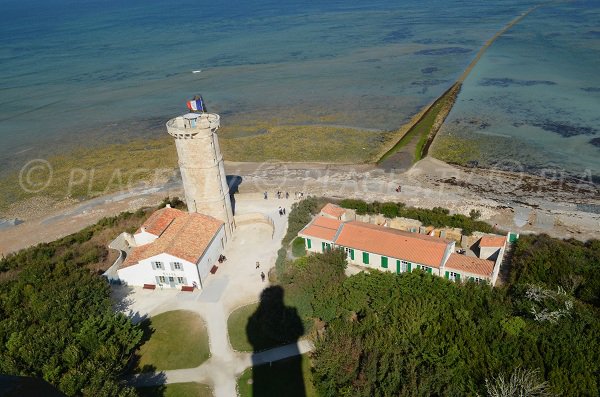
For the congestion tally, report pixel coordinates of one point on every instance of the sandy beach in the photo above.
(516, 202)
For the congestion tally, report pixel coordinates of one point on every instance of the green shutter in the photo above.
(308, 245)
(323, 246)
(384, 262)
(366, 258)
(409, 267)
(429, 270)
(351, 254)
(447, 274)
(457, 277)
(398, 268)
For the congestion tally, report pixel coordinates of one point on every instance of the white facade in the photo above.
(168, 271)
(162, 269)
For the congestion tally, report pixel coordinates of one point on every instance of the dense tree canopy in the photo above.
(415, 334)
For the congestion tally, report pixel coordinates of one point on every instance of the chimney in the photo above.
(168, 205)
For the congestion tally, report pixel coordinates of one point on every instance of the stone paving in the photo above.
(236, 283)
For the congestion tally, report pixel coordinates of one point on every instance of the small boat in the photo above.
(196, 71)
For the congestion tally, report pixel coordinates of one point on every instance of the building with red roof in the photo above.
(172, 249)
(394, 250)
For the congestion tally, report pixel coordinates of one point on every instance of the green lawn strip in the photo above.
(179, 340)
(190, 389)
(238, 336)
(281, 378)
(298, 248)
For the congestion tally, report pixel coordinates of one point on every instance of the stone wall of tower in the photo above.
(202, 170)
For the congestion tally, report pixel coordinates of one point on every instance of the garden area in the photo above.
(189, 389)
(177, 339)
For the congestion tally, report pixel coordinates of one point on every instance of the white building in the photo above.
(172, 249)
(393, 250)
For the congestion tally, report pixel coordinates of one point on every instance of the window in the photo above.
(177, 266)
(425, 268)
(366, 258)
(180, 280)
(384, 262)
(406, 266)
(158, 265)
(453, 276)
(161, 279)
(171, 279)
(349, 252)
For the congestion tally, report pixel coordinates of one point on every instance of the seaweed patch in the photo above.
(429, 70)
(564, 130)
(444, 51)
(590, 89)
(595, 142)
(506, 82)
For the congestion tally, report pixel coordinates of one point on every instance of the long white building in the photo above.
(398, 251)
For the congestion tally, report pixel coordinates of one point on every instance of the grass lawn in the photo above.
(298, 248)
(179, 340)
(190, 389)
(282, 378)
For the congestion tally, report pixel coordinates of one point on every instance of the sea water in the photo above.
(79, 73)
(533, 101)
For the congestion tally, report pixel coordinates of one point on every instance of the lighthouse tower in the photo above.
(201, 165)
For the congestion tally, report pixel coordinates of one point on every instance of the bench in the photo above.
(149, 286)
(187, 288)
(214, 269)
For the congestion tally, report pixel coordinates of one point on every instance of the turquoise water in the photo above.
(85, 72)
(533, 101)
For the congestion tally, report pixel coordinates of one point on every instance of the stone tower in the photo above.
(201, 165)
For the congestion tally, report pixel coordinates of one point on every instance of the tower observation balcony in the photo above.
(190, 124)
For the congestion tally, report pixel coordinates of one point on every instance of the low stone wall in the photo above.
(254, 217)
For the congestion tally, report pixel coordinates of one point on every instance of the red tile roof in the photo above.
(186, 236)
(322, 228)
(160, 220)
(492, 241)
(471, 264)
(333, 210)
(413, 247)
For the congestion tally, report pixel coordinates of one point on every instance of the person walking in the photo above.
(283, 210)
(262, 276)
(265, 195)
(257, 264)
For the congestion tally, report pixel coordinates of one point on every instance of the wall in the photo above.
(211, 255)
(143, 273)
(490, 253)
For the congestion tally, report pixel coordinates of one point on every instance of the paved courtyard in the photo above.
(236, 283)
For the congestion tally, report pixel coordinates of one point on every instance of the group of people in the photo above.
(280, 195)
(262, 274)
(281, 211)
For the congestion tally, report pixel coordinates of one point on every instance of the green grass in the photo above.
(281, 378)
(179, 340)
(304, 143)
(298, 247)
(456, 150)
(190, 389)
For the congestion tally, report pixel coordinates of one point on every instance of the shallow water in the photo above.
(534, 97)
(82, 72)
(86, 72)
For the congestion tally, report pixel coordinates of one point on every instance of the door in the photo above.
(398, 268)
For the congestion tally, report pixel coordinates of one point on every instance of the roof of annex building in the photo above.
(470, 264)
(333, 210)
(186, 236)
(492, 241)
(322, 228)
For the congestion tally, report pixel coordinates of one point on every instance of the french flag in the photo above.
(196, 105)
